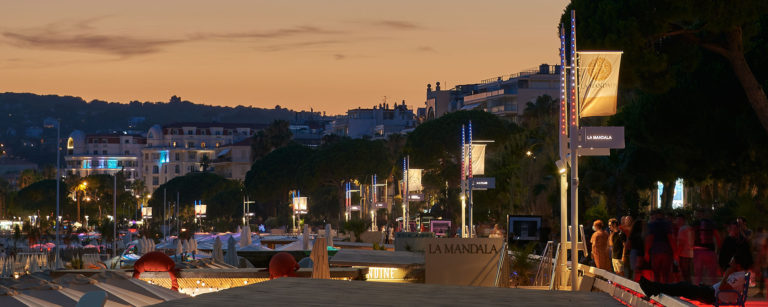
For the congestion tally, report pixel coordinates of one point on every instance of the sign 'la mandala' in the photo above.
(457, 261)
(463, 248)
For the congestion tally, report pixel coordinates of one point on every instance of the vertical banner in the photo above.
(414, 180)
(478, 159)
(598, 82)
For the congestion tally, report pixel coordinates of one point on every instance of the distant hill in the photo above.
(24, 131)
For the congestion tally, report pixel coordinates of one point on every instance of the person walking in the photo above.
(684, 247)
(659, 249)
(705, 242)
(618, 238)
(599, 242)
(636, 246)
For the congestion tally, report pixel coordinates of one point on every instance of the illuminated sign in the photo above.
(483, 183)
(381, 274)
(440, 228)
(86, 163)
(416, 197)
(602, 137)
(112, 163)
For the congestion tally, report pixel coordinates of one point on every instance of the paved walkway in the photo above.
(317, 292)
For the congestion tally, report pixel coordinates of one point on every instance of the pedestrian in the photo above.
(745, 231)
(734, 278)
(626, 226)
(684, 247)
(636, 246)
(496, 232)
(733, 242)
(600, 246)
(618, 238)
(705, 241)
(659, 249)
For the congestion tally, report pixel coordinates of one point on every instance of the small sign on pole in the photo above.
(483, 183)
(602, 137)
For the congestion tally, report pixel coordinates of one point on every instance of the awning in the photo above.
(223, 152)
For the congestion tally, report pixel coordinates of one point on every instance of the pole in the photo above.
(406, 224)
(165, 205)
(58, 185)
(563, 167)
(114, 218)
(574, 158)
(463, 187)
(471, 184)
(178, 220)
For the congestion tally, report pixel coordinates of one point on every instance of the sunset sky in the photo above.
(328, 55)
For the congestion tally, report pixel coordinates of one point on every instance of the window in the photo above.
(103, 152)
(218, 144)
(95, 152)
(174, 144)
(191, 145)
(178, 156)
(190, 132)
(165, 169)
(146, 156)
(155, 180)
(191, 156)
(127, 152)
(155, 169)
(177, 169)
(202, 145)
(127, 141)
(155, 156)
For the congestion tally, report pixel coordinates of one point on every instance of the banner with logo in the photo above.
(414, 180)
(598, 82)
(478, 159)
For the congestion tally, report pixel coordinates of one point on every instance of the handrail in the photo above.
(500, 266)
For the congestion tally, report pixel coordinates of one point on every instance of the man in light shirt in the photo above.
(733, 279)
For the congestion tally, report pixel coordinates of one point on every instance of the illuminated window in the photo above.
(174, 144)
(202, 145)
(218, 144)
(112, 164)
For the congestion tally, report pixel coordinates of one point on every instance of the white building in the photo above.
(504, 95)
(177, 149)
(104, 154)
(377, 122)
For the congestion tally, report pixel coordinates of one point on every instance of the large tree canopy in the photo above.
(661, 38)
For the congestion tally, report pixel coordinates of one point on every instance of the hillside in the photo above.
(25, 134)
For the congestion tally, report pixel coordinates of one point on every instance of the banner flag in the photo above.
(478, 159)
(598, 82)
(414, 180)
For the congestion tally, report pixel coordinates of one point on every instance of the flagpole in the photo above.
(463, 188)
(562, 166)
(470, 184)
(574, 157)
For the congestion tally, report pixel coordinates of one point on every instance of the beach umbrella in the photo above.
(305, 238)
(328, 234)
(218, 253)
(319, 258)
(248, 237)
(193, 247)
(179, 248)
(139, 249)
(232, 252)
(243, 237)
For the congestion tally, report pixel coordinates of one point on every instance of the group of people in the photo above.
(670, 251)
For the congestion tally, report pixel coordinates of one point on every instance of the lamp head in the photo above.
(561, 166)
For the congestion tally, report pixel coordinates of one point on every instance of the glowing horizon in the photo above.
(330, 56)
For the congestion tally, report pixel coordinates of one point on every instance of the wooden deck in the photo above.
(317, 292)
